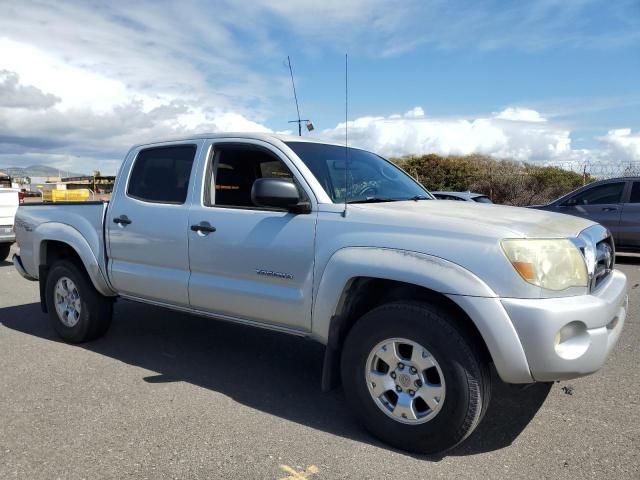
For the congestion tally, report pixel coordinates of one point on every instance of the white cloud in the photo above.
(415, 112)
(622, 144)
(82, 137)
(73, 86)
(81, 81)
(13, 95)
(385, 28)
(521, 134)
(519, 114)
(97, 78)
(514, 133)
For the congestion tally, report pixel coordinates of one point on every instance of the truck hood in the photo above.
(469, 217)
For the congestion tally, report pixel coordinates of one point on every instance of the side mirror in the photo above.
(278, 193)
(572, 202)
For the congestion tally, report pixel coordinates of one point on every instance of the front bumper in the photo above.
(570, 337)
(7, 238)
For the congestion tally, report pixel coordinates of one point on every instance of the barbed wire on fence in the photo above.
(599, 170)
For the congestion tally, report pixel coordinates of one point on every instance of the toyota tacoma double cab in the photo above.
(415, 299)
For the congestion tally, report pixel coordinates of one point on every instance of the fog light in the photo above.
(572, 340)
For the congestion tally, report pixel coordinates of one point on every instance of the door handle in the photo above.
(122, 220)
(609, 209)
(203, 228)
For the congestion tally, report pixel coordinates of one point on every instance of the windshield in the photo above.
(370, 178)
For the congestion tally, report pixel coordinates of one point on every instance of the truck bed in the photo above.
(83, 221)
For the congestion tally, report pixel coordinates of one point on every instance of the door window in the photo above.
(635, 193)
(602, 194)
(161, 174)
(237, 167)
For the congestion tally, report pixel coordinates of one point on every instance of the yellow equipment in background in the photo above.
(75, 195)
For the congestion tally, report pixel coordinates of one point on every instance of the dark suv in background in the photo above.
(614, 203)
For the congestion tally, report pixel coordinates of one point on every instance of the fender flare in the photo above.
(419, 269)
(428, 271)
(68, 235)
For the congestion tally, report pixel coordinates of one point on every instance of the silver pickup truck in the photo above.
(415, 299)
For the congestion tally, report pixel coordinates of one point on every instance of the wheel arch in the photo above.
(363, 294)
(66, 242)
(357, 279)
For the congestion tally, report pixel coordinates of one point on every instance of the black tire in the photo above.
(467, 377)
(95, 309)
(5, 248)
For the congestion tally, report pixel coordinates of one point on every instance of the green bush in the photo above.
(504, 181)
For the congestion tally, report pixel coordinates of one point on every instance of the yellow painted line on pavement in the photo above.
(295, 475)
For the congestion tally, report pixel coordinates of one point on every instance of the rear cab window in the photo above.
(161, 174)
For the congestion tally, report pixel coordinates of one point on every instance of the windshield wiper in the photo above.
(419, 197)
(373, 200)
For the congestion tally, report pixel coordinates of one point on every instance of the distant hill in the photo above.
(38, 171)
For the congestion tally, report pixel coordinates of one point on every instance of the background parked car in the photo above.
(463, 196)
(9, 200)
(614, 203)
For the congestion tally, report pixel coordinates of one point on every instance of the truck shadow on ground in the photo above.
(271, 372)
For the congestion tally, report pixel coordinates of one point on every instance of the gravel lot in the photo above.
(167, 395)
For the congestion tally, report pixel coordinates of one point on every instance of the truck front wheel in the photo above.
(78, 312)
(413, 379)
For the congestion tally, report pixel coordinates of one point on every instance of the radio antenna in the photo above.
(346, 135)
(295, 96)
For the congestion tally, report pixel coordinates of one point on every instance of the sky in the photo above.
(549, 81)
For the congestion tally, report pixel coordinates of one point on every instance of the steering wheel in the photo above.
(368, 191)
(389, 172)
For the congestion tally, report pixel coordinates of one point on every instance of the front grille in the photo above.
(596, 245)
(605, 261)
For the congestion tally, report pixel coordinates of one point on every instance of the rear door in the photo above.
(147, 224)
(253, 264)
(600, 203)
(629, 235)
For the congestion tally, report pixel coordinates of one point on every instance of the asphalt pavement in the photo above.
(168, 395)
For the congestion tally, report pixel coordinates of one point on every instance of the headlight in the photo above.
(554, 264)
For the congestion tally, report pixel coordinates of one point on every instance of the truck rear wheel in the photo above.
(413, 379)
(5, 248)
(78, 312)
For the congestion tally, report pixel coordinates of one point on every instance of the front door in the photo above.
(250, 263)
(148, 225)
